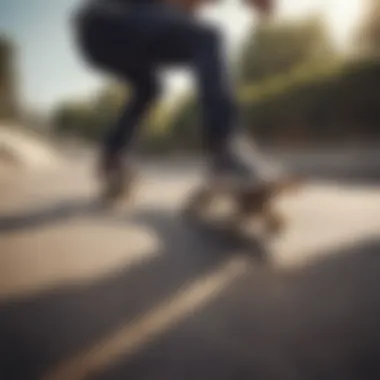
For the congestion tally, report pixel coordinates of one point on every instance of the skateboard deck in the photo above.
(241, 212)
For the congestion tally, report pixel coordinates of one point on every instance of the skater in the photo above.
(132, 39)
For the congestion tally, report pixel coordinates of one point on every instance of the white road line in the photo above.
(135, 335)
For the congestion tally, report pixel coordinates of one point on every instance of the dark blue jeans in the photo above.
(133, 44)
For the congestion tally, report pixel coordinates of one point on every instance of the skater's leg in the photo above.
(199, 46)
(202, 48)
(216, 91)
(145, 90)
(114, 169)
(119, 42)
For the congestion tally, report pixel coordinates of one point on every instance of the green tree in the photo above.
(91, 117)
(8, 86)
(279, 48)
(369, 31)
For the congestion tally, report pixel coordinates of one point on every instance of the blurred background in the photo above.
(137, 294)
(306, 81)
(317, 51)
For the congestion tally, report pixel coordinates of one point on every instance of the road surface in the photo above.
(136, 294)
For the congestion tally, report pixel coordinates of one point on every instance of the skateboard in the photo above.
(251, 211)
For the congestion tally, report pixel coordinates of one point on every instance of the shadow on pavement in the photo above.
(48, 215)
(37, 331)
(321, 322)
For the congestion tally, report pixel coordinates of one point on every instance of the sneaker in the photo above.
(242, 165)
(115, 175)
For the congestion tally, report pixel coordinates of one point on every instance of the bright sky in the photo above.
(51, 71)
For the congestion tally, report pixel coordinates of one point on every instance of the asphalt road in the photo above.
(137, 294)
